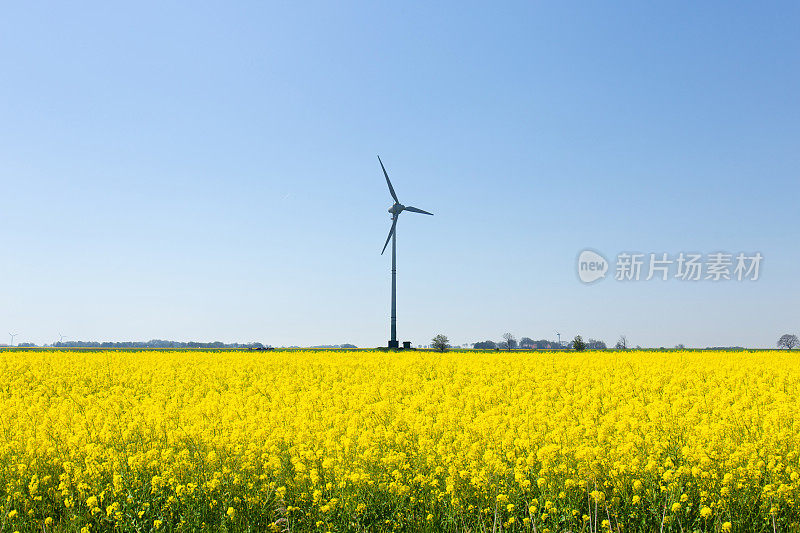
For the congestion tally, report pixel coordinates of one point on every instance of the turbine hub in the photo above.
(396, 209)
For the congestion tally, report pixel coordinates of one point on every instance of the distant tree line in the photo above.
(589, 344)
(157, 343)
(510, 343)
(326, 346)
(527, 343)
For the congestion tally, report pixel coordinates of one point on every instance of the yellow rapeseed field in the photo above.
(366, 441)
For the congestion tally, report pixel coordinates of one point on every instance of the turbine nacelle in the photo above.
(396, 209)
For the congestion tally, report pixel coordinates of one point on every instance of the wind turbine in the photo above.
(559, 339)
(12, 337)
(395, 210)
(60, 338)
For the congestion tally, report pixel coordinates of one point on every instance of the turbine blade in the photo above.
(391, 232)
(389, 183)
(415, 210)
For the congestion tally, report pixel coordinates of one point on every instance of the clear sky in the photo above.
(198, 171)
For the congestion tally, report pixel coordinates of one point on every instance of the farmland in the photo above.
(369, 440)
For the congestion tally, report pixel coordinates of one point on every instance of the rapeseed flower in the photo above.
(117, 438)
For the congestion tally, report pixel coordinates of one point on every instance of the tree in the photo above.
(440, 343)
(527, 343)
(622, 343)
(544, 344)
(485, 345)
(509, 342)
(593, 344)
(788, 341)
(578, 344)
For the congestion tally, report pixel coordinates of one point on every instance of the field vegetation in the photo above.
(412, 441)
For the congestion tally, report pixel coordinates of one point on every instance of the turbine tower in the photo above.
(395, 210)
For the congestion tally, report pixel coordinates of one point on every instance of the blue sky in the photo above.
(207, 171)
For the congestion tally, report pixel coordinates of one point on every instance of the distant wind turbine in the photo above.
(12, 337)
(559, 339)
(395, 210)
